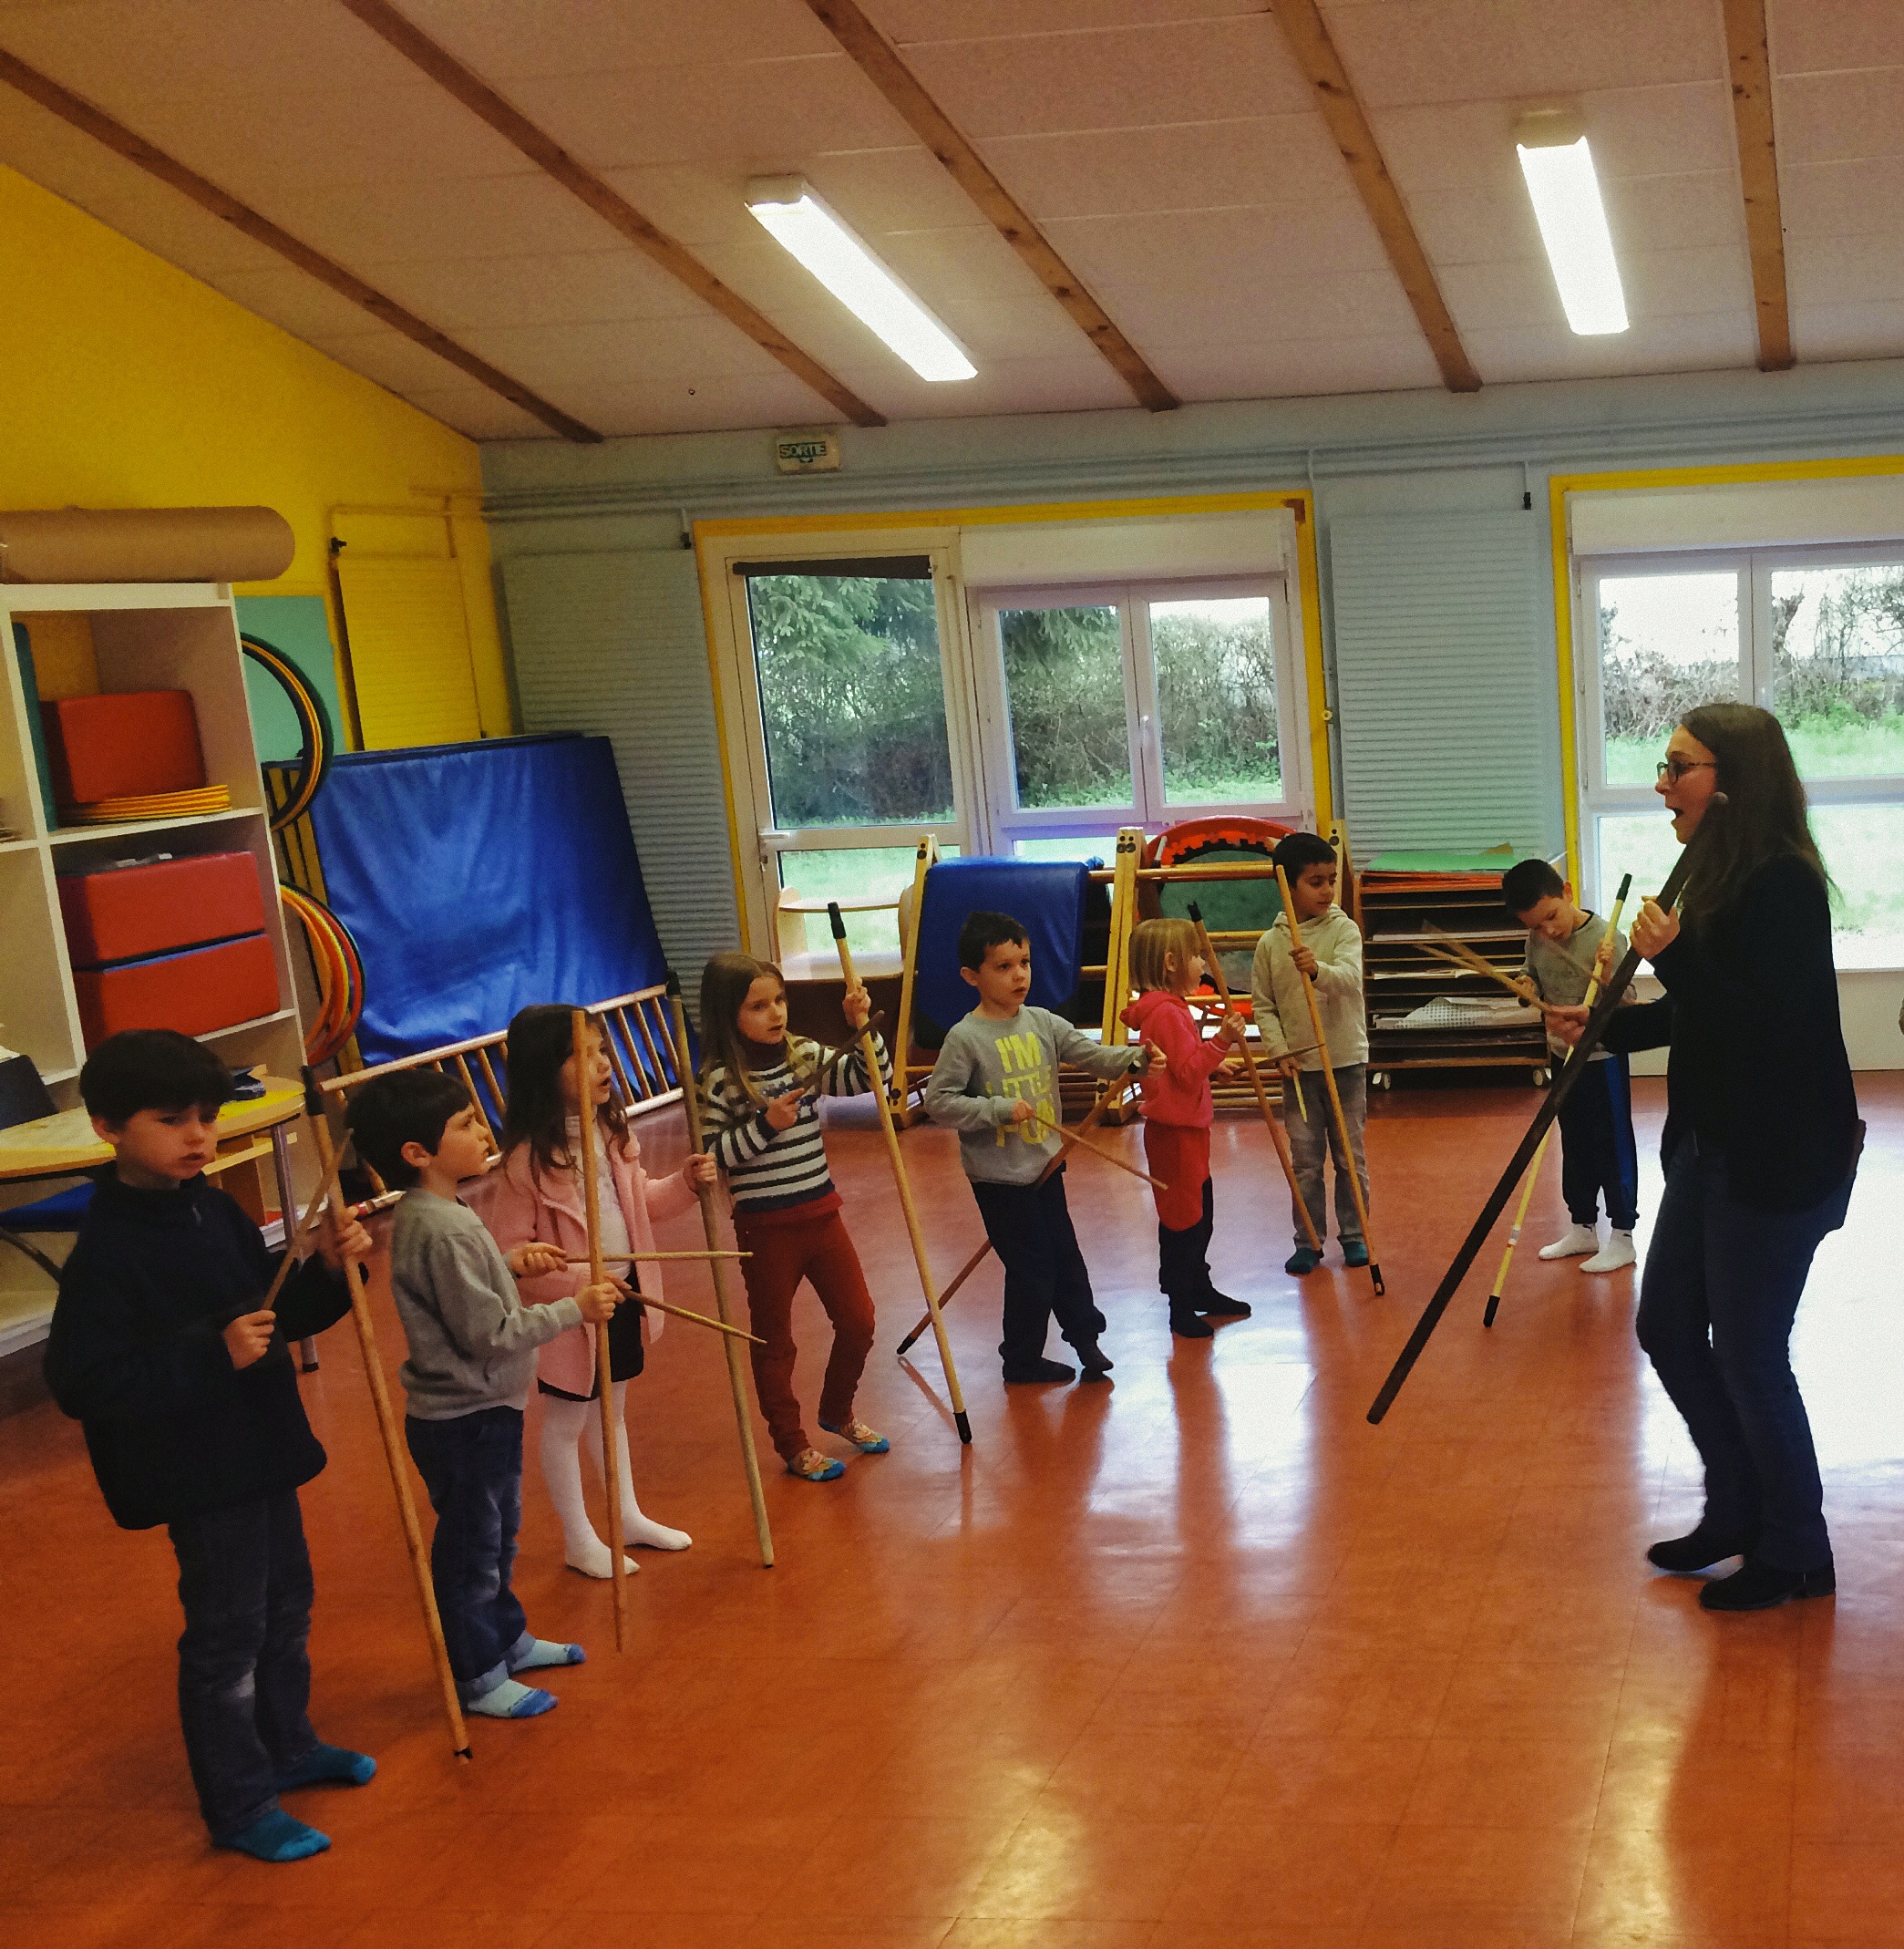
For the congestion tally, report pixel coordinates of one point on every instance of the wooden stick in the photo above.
(1342, 1122)
(679, 1313)
(1563, 1084)
(871, 1056)
(1278, 1135)
(711, 1227)
(644, 1258)
(1106, 1099)
(329, 1189)
(357, 1277)
(598, 1273)
(1526, 1196)
(1109, 1157)
(1457, 954)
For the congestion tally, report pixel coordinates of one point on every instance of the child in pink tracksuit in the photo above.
(1165, 966)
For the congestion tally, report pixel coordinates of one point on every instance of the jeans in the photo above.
(1720, 1289)
(472, 1467)
(244, 1672)
(1312, 1136)
(1597, 1154)
(1030, 1229)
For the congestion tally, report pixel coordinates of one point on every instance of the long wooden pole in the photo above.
(1342, 1122)
(870, 1055)
(357, 1275)
(978, 1258)
(1526, 1195)
(1562, 1087)
(598, 1272)
(711, 1227)
(1278, 1135)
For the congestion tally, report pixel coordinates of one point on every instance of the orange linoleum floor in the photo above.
(1198, 1661)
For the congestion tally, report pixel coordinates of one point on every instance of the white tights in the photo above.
(564, 1424)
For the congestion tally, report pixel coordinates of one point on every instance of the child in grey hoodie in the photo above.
(472, 1346)
(996, 1083)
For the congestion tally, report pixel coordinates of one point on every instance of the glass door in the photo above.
(1135, 705)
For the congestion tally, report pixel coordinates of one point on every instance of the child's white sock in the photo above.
(510, 1700)
(638, 1532)
(1575, 1242)
(1617, 1252)
(537, 1655)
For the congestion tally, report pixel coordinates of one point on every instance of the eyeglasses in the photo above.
(1672, 769)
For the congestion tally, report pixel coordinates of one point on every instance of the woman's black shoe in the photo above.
(1759, 1586)
(1187, 1325)
(1685, 1554)
(1220, 1306)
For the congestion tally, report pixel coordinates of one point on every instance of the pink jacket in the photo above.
(518, 1204)
(1182, 1094)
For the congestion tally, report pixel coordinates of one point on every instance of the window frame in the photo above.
(1755, 568)
(1006, 823)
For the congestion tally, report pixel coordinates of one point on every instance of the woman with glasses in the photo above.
(1760, 1144)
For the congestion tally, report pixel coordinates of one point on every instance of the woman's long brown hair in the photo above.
(541, 1038)
(1763, 814)
(725, 983)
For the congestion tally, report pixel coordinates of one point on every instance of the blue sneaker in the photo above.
(1355, 1252)
(1304, 1259)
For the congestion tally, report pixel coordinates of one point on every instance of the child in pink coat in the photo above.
(537, 1194)
(1165, 966)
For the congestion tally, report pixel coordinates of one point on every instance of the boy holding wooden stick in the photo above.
(1599, 1155)
(472, 1346)
(188, 1394)
(996, 1083)
(1330, 956)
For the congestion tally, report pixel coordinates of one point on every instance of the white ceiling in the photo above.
(1168, 149)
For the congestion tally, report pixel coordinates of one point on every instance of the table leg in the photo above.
(287, 1206)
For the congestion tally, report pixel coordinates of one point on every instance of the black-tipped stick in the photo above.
(716, 1267)
(869, 1055)
(357, 1277)
(1342, 1122)
(1558, 1093)
(1278, 1135)
(1526, 1195)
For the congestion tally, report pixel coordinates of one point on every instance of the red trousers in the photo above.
(820, 1250)
(1179, 1153)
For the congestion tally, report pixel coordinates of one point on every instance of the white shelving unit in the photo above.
(145, 636)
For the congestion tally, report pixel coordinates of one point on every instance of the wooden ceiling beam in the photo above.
(881, 63)
(609, 204)
(1748, 63)
(1314, 50)
(82, 115)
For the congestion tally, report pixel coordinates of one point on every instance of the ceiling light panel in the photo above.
(1565, 191)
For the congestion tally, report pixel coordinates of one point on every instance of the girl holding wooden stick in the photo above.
(1178, 1110)
(764, 1130)
(538, 1195)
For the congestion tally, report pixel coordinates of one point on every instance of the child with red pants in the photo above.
(1165, 966)
(764, 1131)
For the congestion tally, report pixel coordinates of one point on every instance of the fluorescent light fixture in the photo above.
(1558, 167)
(801, 223)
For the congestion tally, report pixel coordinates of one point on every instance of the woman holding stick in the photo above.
(537, 1194)
(1760, 1149)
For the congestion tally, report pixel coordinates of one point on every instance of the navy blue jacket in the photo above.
(137, 1352)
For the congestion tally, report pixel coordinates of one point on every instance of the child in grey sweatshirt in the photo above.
(472, 1346)
(996, 1083)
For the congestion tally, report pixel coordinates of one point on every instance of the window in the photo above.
(1815, 635)
(1102, 707)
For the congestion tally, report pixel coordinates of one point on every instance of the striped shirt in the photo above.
(769, 1170)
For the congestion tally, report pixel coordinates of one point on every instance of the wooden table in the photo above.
(65, 1146)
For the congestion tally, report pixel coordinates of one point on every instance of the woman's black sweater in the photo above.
(1757, 1067)
(137, 1352)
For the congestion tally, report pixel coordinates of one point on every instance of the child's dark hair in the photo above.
(726, 982)
(1526, 883)
(541, 1038)
(151, 1068)
(983, 931)
(1294, 851)
(405, 1107)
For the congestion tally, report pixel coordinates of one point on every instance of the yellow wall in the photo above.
(134, 385)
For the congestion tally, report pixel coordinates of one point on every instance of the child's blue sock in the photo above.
(510, 1700)
(541, 1653)
(326, 1766)
(1304, 1259)
(278, 1838)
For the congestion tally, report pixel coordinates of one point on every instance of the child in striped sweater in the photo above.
(763, 1130)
